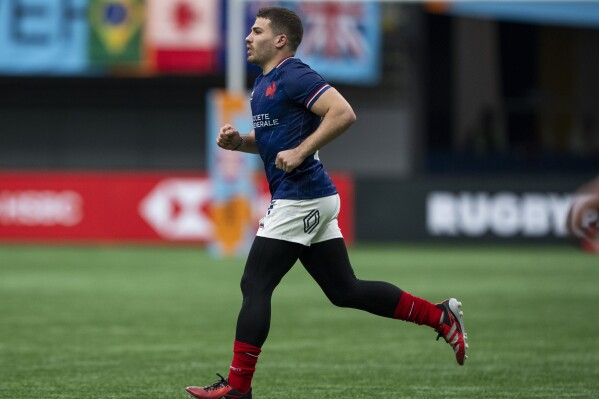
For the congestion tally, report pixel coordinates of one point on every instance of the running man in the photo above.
(295, 113)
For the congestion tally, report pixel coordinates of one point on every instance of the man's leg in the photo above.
(268, 261)
(328, 263)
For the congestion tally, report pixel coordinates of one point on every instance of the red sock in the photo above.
(245, 357)
(416, 310)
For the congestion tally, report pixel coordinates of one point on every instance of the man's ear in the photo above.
(281, 41)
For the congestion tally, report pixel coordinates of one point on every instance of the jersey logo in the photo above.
(270, 90)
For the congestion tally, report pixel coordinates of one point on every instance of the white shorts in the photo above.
(305, 222)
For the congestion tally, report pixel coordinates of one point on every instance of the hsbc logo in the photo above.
(40, 208)
(174, 209)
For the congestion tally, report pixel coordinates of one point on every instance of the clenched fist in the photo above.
(228, 138)
(288, 160)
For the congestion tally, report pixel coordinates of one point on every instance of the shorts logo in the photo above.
(311, 221)
(272, 205)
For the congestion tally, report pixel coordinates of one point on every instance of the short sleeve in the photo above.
(303, 85)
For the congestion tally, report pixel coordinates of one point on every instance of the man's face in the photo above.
(261, 43)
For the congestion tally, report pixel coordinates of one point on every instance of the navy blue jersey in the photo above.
(281, 103)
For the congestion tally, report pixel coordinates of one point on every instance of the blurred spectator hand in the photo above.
(583, 216)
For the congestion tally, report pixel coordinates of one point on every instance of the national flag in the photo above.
(116, 31)
(183, 35)
(342, 41)
(333, 30)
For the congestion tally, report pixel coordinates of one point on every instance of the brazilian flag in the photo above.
(116, 31)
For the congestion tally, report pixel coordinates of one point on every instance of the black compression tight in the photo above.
(327, 262)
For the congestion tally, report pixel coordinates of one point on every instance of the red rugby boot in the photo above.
(452, 328)
(218, 390)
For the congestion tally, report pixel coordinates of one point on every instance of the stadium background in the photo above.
(474, 101)
(475, 125)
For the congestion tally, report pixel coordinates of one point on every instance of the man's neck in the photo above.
(272, 64)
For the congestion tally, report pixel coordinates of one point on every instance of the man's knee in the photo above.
(256, 285)
(340, 300)
(342, 297)
(245, 285)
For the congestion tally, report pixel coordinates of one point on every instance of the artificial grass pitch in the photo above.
(144, 322)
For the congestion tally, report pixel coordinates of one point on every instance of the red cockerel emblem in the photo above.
(270, 90)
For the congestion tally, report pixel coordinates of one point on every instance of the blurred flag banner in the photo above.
(233, 174)
(183, 35)
(341, 40)
(43, 37)
(116, 29)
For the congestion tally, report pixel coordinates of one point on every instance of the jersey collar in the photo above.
(282, 61)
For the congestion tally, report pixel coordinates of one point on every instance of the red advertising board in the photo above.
(121, 207)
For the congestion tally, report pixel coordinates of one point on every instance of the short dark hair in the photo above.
(284, 22)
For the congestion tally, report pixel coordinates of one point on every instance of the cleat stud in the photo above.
(467, 346)
(461, 313)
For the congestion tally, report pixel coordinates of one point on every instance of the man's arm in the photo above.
(337, 116)
(230, 139)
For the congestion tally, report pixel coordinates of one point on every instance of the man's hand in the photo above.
(583, 216)
(288, 160)
(228, 137)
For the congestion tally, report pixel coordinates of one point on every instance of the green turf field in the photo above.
(143, 322)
